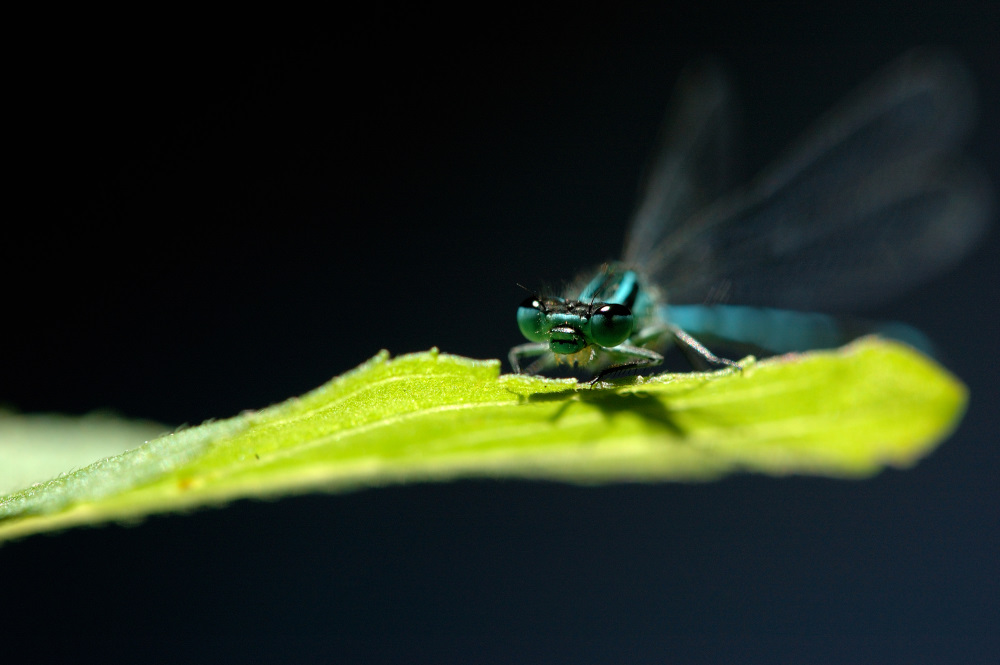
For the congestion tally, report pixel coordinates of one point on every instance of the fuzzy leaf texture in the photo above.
(428, 416)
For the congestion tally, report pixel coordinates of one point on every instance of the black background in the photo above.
(208, 214)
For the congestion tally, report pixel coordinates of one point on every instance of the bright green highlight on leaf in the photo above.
(430, 416)
(35, 448)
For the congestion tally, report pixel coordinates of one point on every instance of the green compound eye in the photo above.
(610, 325)
(530, 319)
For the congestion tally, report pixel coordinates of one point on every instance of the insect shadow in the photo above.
(611, 403)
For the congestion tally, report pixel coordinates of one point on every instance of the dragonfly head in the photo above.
(569, 326)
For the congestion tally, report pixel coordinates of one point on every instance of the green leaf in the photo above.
(430, 416)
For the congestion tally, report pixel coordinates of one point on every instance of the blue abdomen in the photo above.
(782, 331)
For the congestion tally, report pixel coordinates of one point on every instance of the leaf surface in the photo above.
(433, 417)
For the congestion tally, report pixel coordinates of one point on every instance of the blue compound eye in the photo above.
(531, 320)
(610, 325)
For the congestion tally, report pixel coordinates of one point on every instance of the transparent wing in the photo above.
(874, 199)
(692, 167)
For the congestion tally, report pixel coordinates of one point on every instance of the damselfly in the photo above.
(874, 199)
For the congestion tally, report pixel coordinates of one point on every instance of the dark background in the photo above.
(209, 214)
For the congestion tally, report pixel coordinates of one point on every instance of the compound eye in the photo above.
(611, 324)
(531, 320)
